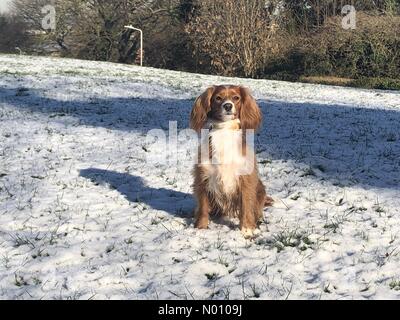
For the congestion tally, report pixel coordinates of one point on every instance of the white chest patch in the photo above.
(227, 162)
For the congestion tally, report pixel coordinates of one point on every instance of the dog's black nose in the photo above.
(228, 106)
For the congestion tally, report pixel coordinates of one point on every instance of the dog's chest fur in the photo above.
(222, 169)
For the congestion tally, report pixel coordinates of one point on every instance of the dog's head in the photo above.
(226, 103)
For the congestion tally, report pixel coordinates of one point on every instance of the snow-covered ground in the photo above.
(85, 215)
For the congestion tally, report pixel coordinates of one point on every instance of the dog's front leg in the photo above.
(247, 218)
(202, 211)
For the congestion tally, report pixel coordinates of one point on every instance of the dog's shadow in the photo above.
(135, 190)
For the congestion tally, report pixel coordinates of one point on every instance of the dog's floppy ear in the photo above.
(250, 113)
(200, 110)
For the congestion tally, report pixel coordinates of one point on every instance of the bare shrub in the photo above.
(235, 36)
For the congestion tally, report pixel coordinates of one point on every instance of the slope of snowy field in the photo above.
(85, 215)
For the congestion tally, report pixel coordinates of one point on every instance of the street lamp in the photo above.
(141, 42)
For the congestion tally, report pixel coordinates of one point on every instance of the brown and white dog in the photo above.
(226, 177)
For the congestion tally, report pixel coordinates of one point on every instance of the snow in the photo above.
(84, 214)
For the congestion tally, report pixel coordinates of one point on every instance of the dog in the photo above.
(226, 179)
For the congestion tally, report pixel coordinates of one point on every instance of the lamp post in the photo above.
(141, 42)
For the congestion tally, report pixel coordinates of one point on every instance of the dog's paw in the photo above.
(249, 233)
(201, 224)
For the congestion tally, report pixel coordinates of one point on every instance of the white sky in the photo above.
(4, 5)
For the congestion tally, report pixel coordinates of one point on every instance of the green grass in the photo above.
(395, 285)
(365, 83)
(291, 239)
(377, 83)
(362, 83)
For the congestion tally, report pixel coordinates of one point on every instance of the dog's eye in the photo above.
(236, 98)
(218, 99)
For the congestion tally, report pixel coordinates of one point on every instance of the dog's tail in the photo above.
(268, 201)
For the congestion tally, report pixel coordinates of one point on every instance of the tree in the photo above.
(236, 36)
(94, 29)
(33, 14)
(14, 34)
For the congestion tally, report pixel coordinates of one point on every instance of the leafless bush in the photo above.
(235, 35)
